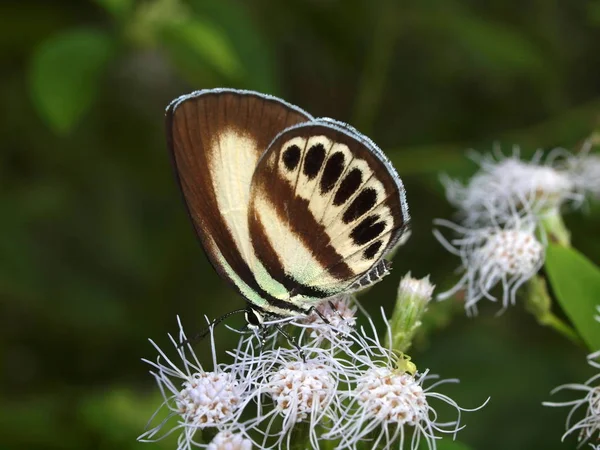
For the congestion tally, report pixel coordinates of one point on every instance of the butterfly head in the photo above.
(254, 318)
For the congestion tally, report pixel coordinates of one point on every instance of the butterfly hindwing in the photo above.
(216, 138)
(325, 206)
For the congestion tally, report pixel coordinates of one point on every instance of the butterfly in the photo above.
(290, 209)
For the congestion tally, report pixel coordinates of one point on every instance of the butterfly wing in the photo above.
(325, 206)
(216, 138)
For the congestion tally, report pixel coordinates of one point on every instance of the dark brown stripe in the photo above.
(307, 291)
(191, 125)
(263, 248)
(293, 211)
(269, 258)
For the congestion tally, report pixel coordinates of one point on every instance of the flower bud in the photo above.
(411, 302)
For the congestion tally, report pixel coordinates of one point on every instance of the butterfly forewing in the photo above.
(216, 138)
(325, 206)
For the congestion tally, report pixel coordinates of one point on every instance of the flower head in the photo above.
(199, 398)
(361, 388)
(415, 289)
(226, 440)
(506, 255)
(290, 388)
(504, 182)
(588, 403)
(584, 170)
(300, 388)
(386, 403)
(208, 398)
(392, 396)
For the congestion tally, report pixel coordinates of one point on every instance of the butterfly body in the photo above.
(290, 209)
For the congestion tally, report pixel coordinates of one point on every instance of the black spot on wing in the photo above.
(291, 157)
(348, 187)
(331, 174)
(360, 205)
(314, 160)
(367, 230)
(372, 250)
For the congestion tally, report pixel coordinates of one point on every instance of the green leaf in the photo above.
(65, 75)
(196, 43)
(576, 283)
(118, 8)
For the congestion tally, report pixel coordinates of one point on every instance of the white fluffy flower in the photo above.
(199, 398)
(387, 402)
(226, 440)
(392, 396)
(584, 170)
(588, 403)
(299, 388)
(208, 398)
(503, 182)
(507, 255)
(291, 388)
(360, 391)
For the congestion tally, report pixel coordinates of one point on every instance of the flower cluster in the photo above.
(346, 388)
(589, 403)
(507, 211)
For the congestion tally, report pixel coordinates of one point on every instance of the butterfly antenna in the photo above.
(198, 337)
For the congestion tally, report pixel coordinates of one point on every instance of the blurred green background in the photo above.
(96, 250)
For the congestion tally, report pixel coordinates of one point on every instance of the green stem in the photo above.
(539, 303)
(557, 230)
(300, 438)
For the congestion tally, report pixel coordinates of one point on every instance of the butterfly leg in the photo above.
(333, 308)
(292, 341)
(320, 314)
(262, 333)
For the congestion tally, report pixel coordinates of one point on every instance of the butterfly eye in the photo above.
(253, 318)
